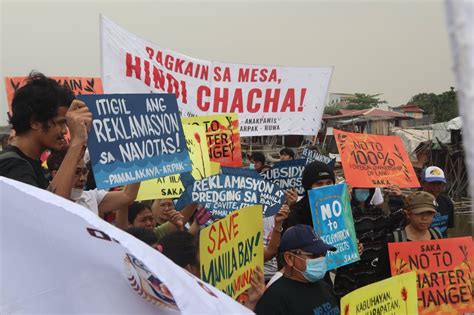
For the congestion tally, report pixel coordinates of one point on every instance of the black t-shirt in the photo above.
(26, 169)
(446, 207)
(287, 296)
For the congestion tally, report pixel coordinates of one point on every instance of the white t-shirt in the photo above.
(91, 199)
(269, 267)
(377, 198)
(275, 277)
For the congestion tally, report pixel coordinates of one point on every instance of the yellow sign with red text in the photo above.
(230, 249)
(171, 186)
(395, 295)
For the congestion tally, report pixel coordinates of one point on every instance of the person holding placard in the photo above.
(98, 201)
(371, 226)
(43, 111)
(287, 154)
(301, 289)
(257, 162)
(420, 210)
(315, 174)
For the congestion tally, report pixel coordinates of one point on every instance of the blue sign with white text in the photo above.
(333, 221)
(286, 174)
(235, 188)
(313, 155)
(135, 137)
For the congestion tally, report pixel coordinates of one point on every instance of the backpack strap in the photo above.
(399, 235)
(436, 233)
(13, 155)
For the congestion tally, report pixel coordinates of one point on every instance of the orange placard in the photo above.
(445, 277)
(374, 161)
(78, 85)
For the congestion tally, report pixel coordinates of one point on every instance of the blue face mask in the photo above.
(252, 166)
(361, 195)
(315, 269)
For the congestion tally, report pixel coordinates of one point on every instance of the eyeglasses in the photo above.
(81, 171)
(310, 255)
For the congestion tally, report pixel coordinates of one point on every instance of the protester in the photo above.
(145, 235)
(140, 215)
(420, 210)
(301, 289)
(160, 207)
(315, 174)
(98, 201)
(272, 229)
(371, 226)
(183, 249)
(287, 154)
(434, 182)
(42, 112)
(257, 162)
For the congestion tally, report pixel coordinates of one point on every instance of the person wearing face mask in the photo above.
(98, 201)
(257, 162)
(371, 226)
(301, 289)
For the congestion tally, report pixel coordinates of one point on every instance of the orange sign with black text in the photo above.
(374, 161)
(444, 273)
(78, 85)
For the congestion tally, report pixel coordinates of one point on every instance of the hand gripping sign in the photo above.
(332, 219)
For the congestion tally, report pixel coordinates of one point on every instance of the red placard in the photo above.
(78, 85)
(374, 161)
(445, 278)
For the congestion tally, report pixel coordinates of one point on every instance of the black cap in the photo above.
(315, 171)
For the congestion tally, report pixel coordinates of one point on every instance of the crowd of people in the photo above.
(295, 279)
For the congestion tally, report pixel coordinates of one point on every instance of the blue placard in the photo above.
(135, 137)
(233, 189)
(313, 155)
(287, 174)
(332, 219)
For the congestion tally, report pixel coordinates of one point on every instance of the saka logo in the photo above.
(145, 284)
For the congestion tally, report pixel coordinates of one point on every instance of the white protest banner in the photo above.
(59, 258)
(270, 100)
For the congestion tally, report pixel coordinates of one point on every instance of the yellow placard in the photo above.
(222, 136)
(215, 168)
(231, 248)
(171, 186)
(396, 295)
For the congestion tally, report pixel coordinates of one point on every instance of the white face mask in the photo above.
(76, 194)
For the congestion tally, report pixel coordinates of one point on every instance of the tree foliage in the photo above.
(443, 106)
(332, 108)
(365, 101)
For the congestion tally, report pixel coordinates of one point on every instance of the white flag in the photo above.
(269, 100)
(58, 257)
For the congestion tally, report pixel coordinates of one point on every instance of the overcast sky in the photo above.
(398, 48)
